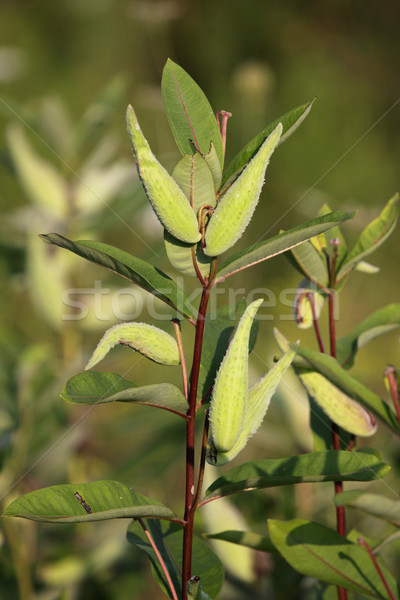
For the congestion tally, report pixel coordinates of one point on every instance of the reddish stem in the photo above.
(311, 299)
(178, 334)
(222, 127)
(391, 375)
(363, 543)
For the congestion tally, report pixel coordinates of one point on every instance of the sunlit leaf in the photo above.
(373, 504)
(81, 503)
(319, 552)
(100, 388)
(131, 268)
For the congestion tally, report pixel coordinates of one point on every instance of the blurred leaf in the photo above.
(100, 388)
(339, 407)
(306, 301)
(43, 184)
(373, 504)
(244, 538)
(382, 321)
(168, 538)
(319, 552)
(219, 328)
(330, 368)
(134, 269)
(333, 234)
(189, 113)
(195, 591)
(372, 237)
(279, 243)
(104, 500)
(365, 267)
(290, 122)
(331, 465)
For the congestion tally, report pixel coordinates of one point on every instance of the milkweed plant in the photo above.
(204, 208)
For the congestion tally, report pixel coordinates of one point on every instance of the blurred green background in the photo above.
(67, 72)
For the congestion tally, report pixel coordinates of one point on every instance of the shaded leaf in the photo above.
(279, 244)
(168, 538)
(316, 551)
(180, 256)
(330, 368)
(243, 538)
(100, 388)
(335, 234)
(331, 465)
(131, 268)
(372, 237)
(104, 499)
(382, 321)
(290, 122)
(373, 504)
(310, 263)
(189, 113)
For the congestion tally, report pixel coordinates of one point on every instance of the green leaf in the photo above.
(279, 244)
(310, 263)
(219, 328)
(330, 368)
(103, 499)
(189, 113)
(131, 268)
(180, 256)
(168, 538)
(382, 321)
(332, 234)
(331, 465)
(373, 504)
(195, 591)
(372, 237)
(243, 538)
(316, 551)
(100, 388)
(290, 122)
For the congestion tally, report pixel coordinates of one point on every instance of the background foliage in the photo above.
(68, 70)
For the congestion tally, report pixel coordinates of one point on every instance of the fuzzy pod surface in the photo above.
(230, 393)
(166, 197)
(152, 342)
(236, 207)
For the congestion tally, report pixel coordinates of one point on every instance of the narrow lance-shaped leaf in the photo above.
(152, 342)
(100, 388)
(79, 503)
(330, 465)
(230, 393)
(376, 505)
(168, 538)
(319, 552)
(131, 268)
(166, 197)
(236, 207)
(290, 122)
(279, 244)
(382, 321)
(258, 402)
(328, 366)
(189, 113)
(339, 407)
(372, 237)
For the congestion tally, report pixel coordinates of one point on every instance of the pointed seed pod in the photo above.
(230, 392)
(166, 197)
(236, 207)
(259, 399)
(340, 408)
(152, 342)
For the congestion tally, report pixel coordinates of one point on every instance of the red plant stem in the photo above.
(190, 440)
(202, 464)
(224, 120)
(178, 334)
(391, 375)
(363, 543)
(196, 267)
(160, 559)
(311, 299)
(332, 331)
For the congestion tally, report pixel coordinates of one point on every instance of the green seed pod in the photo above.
(236, 207)
(340, 408)
(166, 197)
(150, 341)
(229, 400)
(259, 399)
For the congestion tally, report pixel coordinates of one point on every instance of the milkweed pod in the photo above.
(166, 197)
(152, 342)
(235, 208)
(340, 408)
(230, 392)
(258, 403)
